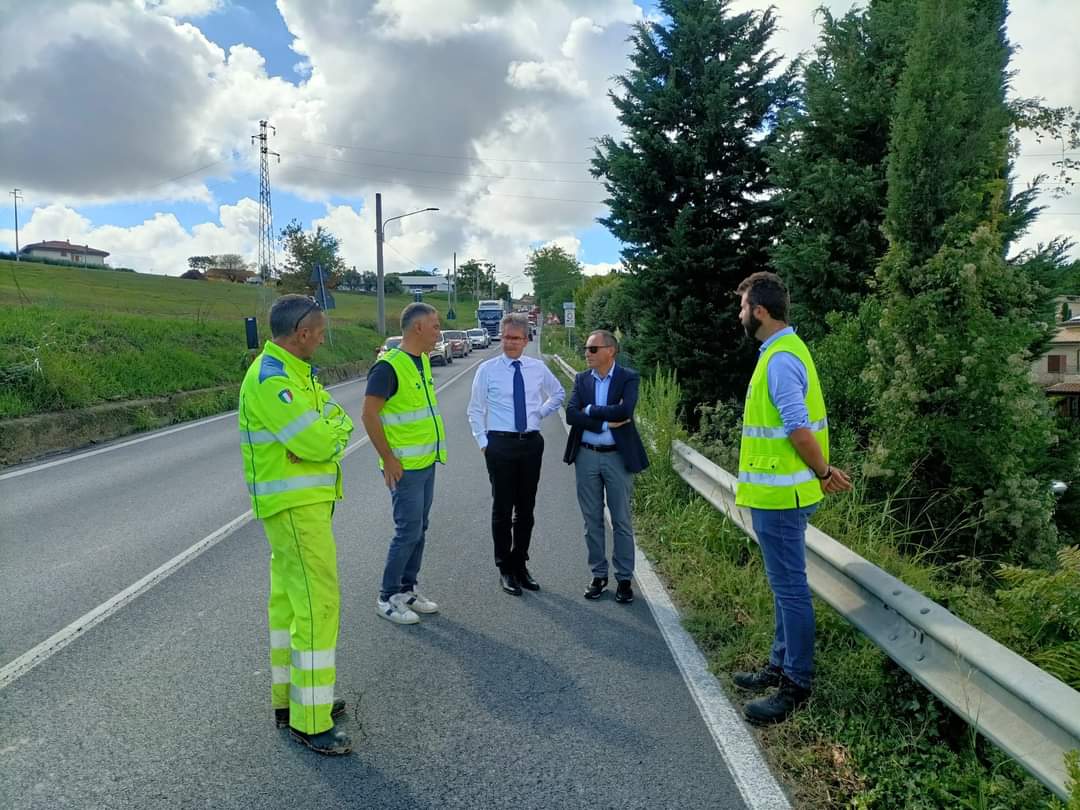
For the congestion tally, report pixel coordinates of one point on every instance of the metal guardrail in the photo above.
(567, 369)
(1029, 714)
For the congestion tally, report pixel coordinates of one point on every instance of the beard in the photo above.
(751, 326)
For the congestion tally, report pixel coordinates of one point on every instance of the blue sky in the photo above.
(258, 24)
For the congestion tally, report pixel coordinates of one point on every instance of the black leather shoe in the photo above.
(765, 678)
(281, 716)
(331, 742)
(596, 587)
(526, 581)
(625, 592)
(510, 584)
(779, 705)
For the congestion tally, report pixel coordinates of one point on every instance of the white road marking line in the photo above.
(57, 641)
(756, 783)
(144, 438)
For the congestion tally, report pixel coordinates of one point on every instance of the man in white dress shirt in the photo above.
(511, 394)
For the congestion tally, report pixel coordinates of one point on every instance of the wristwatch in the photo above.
(826, 476)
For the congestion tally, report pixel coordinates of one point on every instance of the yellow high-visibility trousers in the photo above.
(304, 614)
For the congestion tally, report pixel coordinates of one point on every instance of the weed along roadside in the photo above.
(89, 356)
(31, 437)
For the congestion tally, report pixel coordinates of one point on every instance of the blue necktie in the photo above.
(521, 421)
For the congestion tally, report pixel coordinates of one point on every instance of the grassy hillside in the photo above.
(72, 337)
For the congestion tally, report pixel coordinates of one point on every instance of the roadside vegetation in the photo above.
(74, 337)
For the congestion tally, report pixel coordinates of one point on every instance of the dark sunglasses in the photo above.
(314, 306)
(595, 349)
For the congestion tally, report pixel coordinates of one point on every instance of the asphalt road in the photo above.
(542, 701)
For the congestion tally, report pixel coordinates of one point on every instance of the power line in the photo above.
(444, 188)
(458, 174)
(443, 157)
(402, 255)
(188, 174)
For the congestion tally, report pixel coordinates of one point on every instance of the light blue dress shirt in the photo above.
(602, 385)
(788, 384)
(491, 405)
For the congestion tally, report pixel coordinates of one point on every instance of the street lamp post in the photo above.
(380, 233)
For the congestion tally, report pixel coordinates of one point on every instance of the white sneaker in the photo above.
(420, 603)
(396, 610)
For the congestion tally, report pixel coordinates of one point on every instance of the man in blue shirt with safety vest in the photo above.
(402, 419)
(784, 472)
(292, 439)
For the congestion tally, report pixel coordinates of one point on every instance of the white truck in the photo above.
(489, 314)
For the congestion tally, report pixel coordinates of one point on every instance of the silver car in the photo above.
(479, 338)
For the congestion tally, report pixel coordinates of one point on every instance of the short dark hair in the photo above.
(767, 290)
(288, 311)
(414, 312)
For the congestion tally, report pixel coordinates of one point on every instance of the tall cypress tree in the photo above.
(829, 162)
(958, 425)
(690, 188)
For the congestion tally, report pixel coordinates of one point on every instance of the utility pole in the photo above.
(16, 197)
(267, 260)
(380, 290)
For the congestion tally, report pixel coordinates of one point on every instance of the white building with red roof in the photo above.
(64, 251)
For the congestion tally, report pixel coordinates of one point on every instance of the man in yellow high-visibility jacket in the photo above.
(292, 438)
(784, 473)
(402, 419)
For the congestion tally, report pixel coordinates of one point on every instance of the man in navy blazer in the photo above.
(606, 451)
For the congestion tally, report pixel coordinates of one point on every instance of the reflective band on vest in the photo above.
(280, 674)
(289, 484)
(313, 659)
(415, 450)
(311, 695)
(298, 424)
(777, 480)
(772, 475)
(409, 416)
(780, 433)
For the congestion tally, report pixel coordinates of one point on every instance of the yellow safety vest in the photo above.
(410, 418)
(284, 408)
(771, 474)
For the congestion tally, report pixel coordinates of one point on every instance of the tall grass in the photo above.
(73, 337)
(870, 737)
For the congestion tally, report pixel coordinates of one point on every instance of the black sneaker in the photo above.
(331, 742)
(281, 716)
(596, 587)
(624, 593)
(765, 678)
(779, 705)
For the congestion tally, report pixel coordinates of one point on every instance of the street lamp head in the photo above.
(431, 209)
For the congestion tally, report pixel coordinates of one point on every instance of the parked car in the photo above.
(441, 352)
(390, 343)
(460, 345)
(479, 338)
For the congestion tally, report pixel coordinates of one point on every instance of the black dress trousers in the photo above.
(513, 463)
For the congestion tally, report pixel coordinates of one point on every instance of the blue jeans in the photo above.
(782, 536)
(411, 499)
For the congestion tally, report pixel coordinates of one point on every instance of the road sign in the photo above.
(568, 314)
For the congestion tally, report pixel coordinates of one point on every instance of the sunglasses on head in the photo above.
(314, 306)
(595, 349)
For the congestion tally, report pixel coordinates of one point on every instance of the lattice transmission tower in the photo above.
(267, 257)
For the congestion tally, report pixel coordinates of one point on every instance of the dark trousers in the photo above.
(514, 470)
